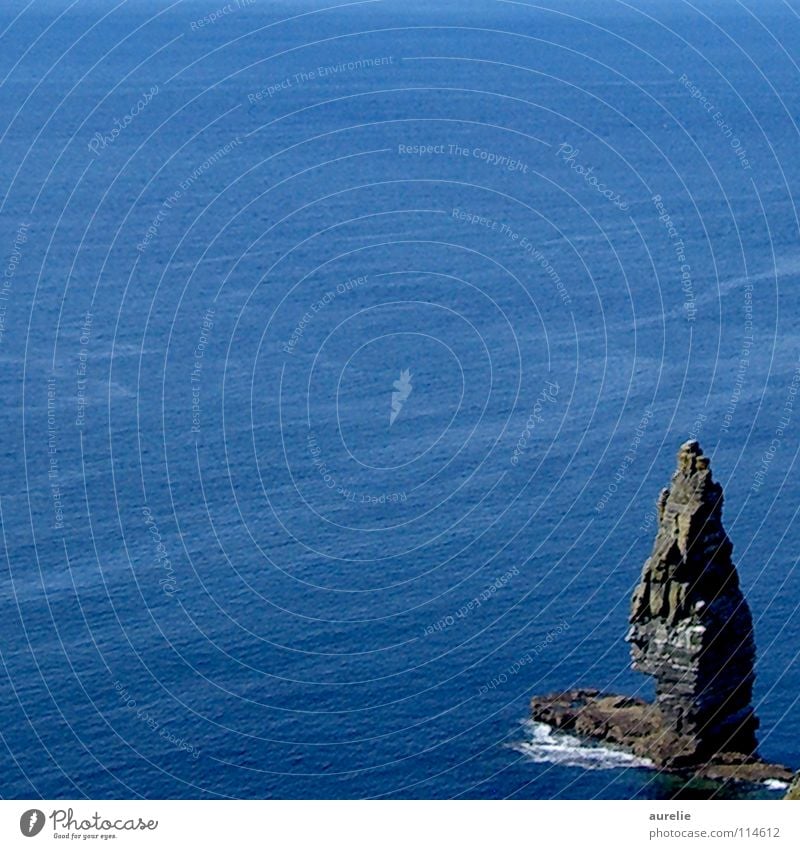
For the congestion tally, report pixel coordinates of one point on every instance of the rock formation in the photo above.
(691, 629)
(638, 726)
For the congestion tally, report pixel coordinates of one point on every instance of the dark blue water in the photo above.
(226, 572)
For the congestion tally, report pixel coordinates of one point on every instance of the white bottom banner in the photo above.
(402, 824)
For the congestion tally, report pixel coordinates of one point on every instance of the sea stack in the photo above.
(691, 628)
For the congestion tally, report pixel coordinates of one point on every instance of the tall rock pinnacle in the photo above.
(691, 628)
(692, 631)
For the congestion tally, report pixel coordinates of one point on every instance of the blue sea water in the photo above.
(564, 235)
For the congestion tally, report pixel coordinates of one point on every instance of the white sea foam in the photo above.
(774, 784)
(544, 745)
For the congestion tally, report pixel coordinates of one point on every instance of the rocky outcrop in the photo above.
(639, 727)
(691, 629)
(794, 788)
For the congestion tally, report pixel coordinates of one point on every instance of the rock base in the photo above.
(639, 727)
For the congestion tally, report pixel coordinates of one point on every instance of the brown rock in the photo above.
(691, 628)
(639, 727)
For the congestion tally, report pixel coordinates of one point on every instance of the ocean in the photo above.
(345, 351)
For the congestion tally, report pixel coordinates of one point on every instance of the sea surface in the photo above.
(344, 351)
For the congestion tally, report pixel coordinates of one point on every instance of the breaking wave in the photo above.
(543, 745)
